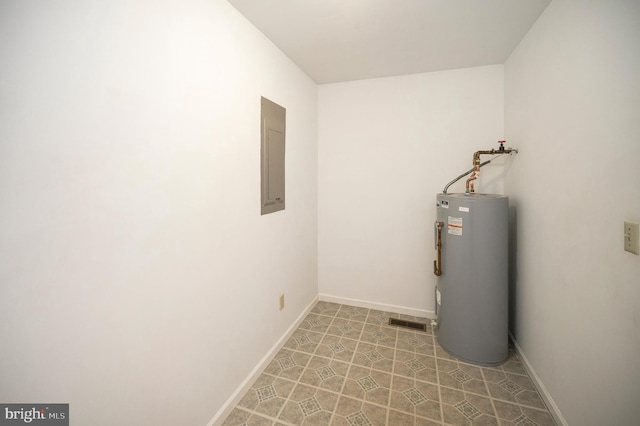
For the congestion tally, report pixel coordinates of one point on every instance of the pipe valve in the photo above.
(476, 163)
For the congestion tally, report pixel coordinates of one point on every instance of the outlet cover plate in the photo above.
(631, 231)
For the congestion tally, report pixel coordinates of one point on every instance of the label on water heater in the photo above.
(454, 225)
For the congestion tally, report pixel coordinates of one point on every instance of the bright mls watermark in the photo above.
(34, 414)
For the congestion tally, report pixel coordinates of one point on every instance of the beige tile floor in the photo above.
(345, 365)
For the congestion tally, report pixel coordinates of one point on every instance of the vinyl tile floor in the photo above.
(346, 365)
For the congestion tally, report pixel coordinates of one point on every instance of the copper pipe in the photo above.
(476, 164)
(437, 264)
(444, 191)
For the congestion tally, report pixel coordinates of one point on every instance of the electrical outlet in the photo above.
(282, 301)
(631, 237)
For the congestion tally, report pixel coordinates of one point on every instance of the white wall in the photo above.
(139, 282)
(572, 105)
(386, 148)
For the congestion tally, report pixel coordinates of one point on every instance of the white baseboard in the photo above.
(235, 398)
(546, 396)
(422, 313)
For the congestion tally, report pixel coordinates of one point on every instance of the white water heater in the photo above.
(472, 268)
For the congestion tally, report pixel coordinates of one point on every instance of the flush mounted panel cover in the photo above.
(272, 126)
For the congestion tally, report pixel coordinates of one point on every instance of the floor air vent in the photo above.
(408, 324)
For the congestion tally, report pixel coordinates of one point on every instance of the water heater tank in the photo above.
(472, 290)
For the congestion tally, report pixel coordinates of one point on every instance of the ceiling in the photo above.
(342, 40)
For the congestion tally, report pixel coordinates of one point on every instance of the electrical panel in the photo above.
(272, 129)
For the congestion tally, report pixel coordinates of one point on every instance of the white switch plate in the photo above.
(631, 237)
